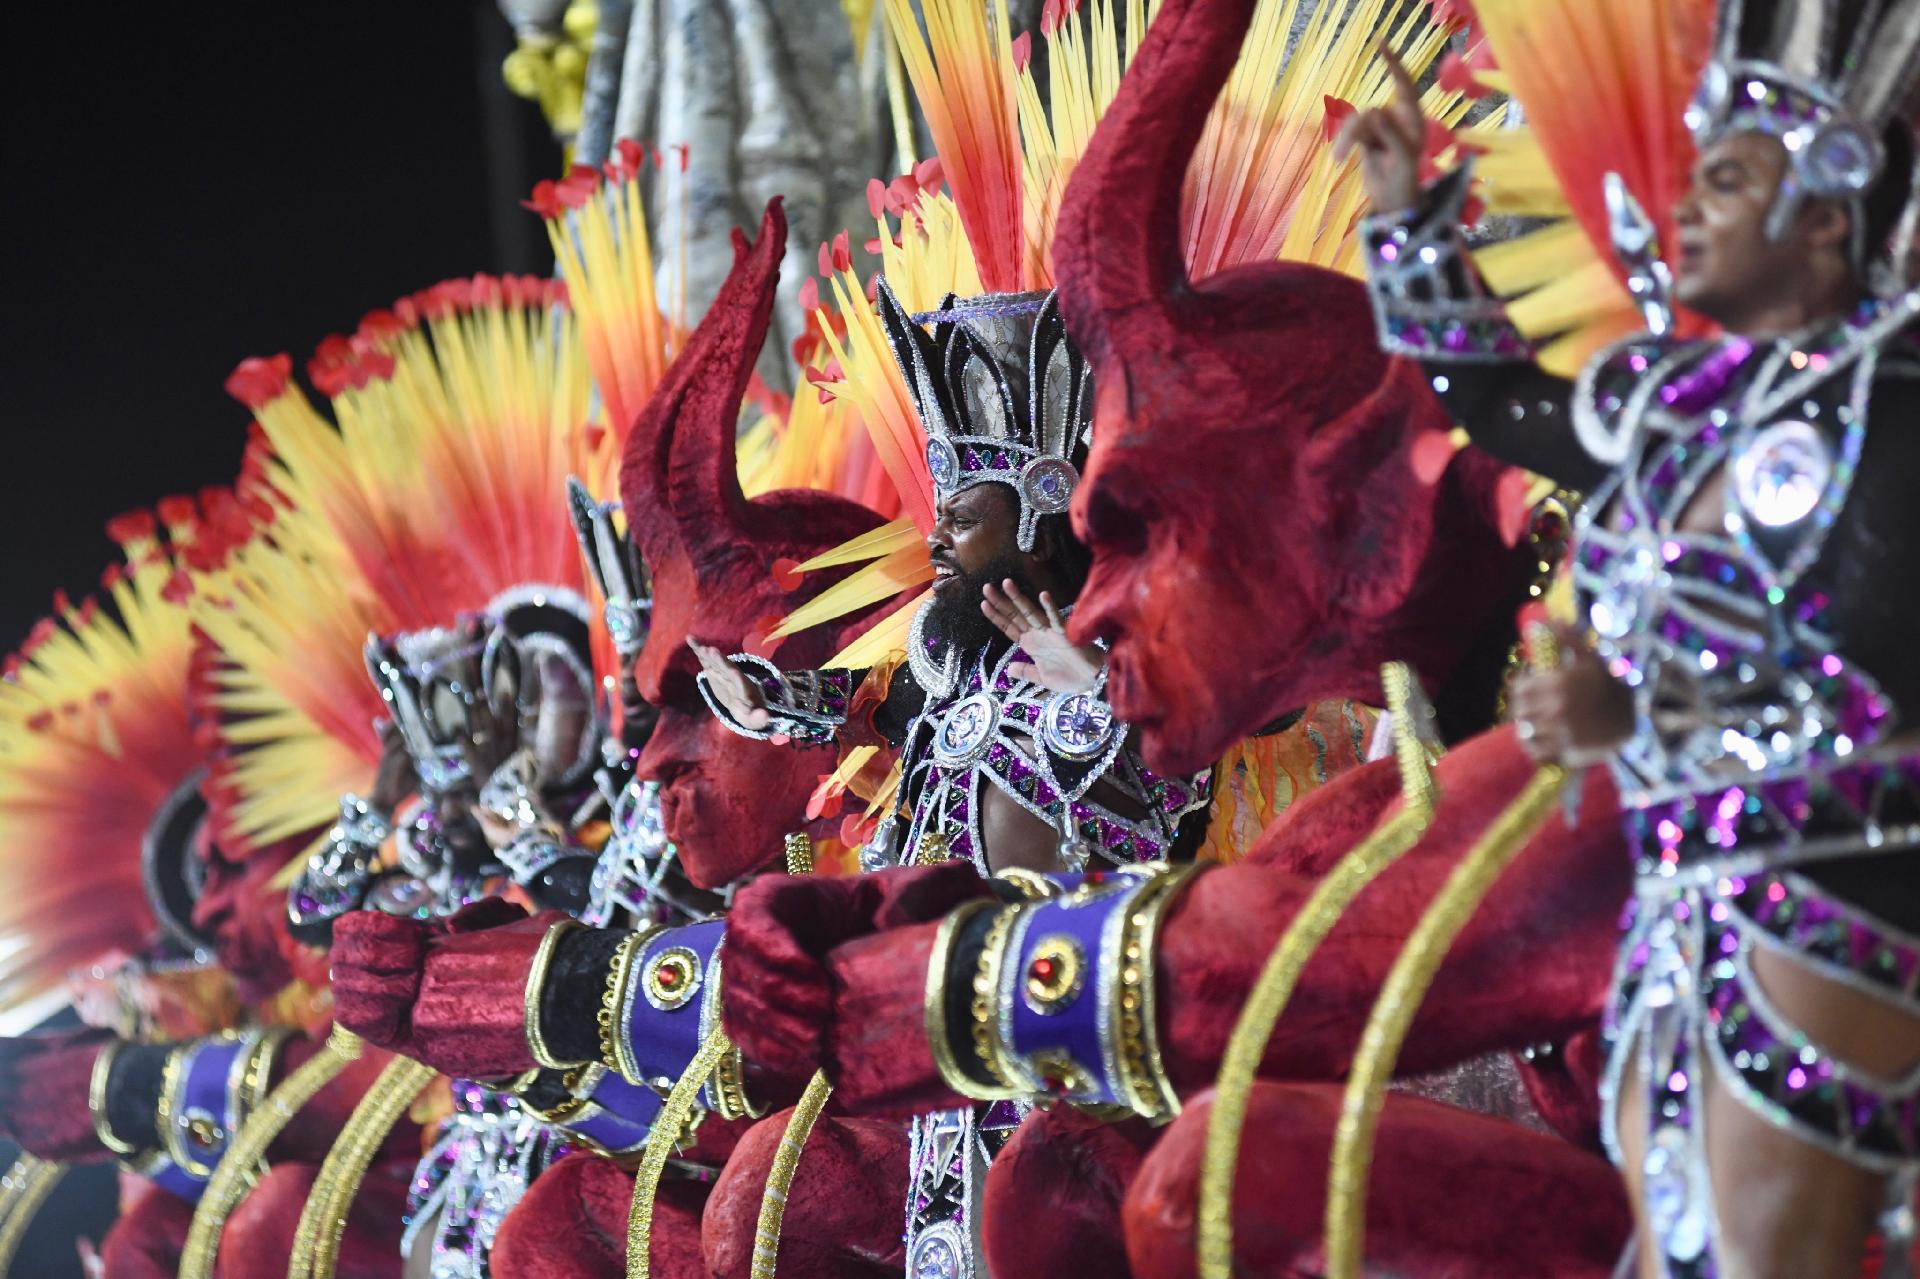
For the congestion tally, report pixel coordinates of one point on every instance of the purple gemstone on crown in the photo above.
(1855, 785)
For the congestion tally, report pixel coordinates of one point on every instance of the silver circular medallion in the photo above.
(1781, 473)
(1048, 484)
(1841, 160)
(966, 732)
(936, 1254)
(943, 465)
(1076, 725)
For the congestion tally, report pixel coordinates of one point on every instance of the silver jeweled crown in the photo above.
(1825, 77)
(1003, 394)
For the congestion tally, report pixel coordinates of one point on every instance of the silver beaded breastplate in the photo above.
(1043, 750)
(1757, 746)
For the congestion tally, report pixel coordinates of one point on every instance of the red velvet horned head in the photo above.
(1260, 537)
(727, 800)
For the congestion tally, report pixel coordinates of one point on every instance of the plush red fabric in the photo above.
(43, 1095)
(780, 932)
(844, 1208)
(725, 800)
(1452, 1195)
(1564, 1085)
(572, 1224)
(1532, 966)
(1230, 604)
(449, 996)
(1052, 1199)
(146, 1242)
(259, 1234)
(310, 1134)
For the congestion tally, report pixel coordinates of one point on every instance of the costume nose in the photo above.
(672, 752)
(1099, 610)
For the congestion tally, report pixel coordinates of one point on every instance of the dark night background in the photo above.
(190, 185)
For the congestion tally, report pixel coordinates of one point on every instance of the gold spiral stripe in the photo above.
(1399, 999)
(323, 1222)
(1268, 999)
(23, 1191)
(786, 1161)
(241, 1164)
(1387, 844)
(1406, 703)
(668, 1126)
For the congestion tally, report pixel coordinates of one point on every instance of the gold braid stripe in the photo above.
(786, 1162)
(323, 1222)
(23, 1191)
(668, 1126)
(241, 1165)
(1406, 703)
(1387, 844)
(1268, 999)
(1400, 997)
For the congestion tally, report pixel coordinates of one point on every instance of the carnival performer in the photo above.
(1344, 595)
(1742, 663)
(110, 804)
(711, 554)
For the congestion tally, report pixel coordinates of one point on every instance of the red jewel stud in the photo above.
(669, 978)
(1043, 970)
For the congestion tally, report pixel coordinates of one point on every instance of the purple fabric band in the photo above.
(667, 999)
(1058, 988)
(618, 1116)
(206, 1105)
(178, 1182)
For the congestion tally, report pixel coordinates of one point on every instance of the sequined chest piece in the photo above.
(1728, 612)
(1043, 750)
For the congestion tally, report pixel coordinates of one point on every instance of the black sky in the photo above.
(189, 185)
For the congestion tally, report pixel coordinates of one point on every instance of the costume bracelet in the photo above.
(939, 970)
(986, 988)
(619, 974)
(97, 1101)
(536, 988)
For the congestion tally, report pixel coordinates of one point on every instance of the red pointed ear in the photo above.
(1370, 512)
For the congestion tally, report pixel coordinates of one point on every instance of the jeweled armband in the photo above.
(337, 875)
(669, 1004)
(207, 1089)
(807, 707)
(1429, 301)
(1073, 1011)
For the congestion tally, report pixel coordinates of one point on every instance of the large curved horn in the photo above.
(1118, 259)
(703, 481)
(692, 400)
